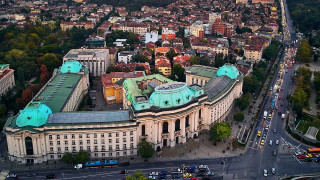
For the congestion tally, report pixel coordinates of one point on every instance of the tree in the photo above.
(137, 176)
(243, 102)
(50, 60)
(194, 60)
(170, 54)
(304, 52)
(220, 131)
(239, 116)
(219, 61)
(139, 58)
(250, 84)
(20, 73)
(2, 123)
(67, 158)
(45, 75)
(26, 97)
(145, 149)
(81, 157)
(3, 110)
(178, 73)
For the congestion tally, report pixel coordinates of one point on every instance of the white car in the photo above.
(277, 142)
(273, 170)
(265, 172)
(154, 174)
(270, 142)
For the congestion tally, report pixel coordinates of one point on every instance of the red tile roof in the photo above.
(107, 78)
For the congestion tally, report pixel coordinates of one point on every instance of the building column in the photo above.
(183, 129)
(34, 145)
(191, 119)
(159, 132)
(172, 140)
(19, 150)
(196, 121)
(155, 133)
(22, 146)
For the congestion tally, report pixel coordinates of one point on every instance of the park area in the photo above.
(305, 124)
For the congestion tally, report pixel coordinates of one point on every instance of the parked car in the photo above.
(194, 178)
(50, 176)
(154, 174)
(264, 136)
(162, 176)
(307, 159)
(317, 160)
(270, 142)
(308, 156)
(277, 142)
(125, 163)
(273, 170)
(274, 130)
(175, 176)
(164, 172)
(187, 175)
(262, 142)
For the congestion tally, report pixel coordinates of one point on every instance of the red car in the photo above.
(279, 98)
(302, 156)
(193, 178)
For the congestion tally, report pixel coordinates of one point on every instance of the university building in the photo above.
(157, 109)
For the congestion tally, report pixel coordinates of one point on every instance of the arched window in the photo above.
(177, 125)
(165, 127)
(143, 130)
(187, 121)
(29, 147)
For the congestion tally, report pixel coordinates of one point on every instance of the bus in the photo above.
(101, 164)
(313, 151)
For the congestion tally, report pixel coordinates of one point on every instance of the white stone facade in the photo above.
(6, 79)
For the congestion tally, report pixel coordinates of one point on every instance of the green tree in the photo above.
(170, 54)
(67, 158)
(219, 61)
(2, 123)
(137, 176)
(250, 84)
(83, 19)
(50, 60)
(178, 73)
(3, 110)
(243, 102)
(194, 60)
(220, 131)
(304, 52)
(81, 157)
(239, 116)
(145, 149)
(139, 58)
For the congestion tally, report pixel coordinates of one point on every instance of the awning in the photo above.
(111, 98)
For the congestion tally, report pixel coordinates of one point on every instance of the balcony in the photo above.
(165, 135)
(143, 137)
(177, 133)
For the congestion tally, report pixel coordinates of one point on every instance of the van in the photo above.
(265, 114)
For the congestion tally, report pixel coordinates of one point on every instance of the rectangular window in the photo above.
(103, 147)
(95, 135)
(88, 135)
(124, 133)
(117, 147)
(50, 137)
(73, 148)
(81, 148)
(124, 140)
(51, 149)
(118, 153)
(131, 139)
(80, 135)
(88, 148)
(131, 133)
(59, 156)
(110, 154)
(110, 134)
(52, 156)
(102, 135)
(58, 136)
(65, 136)
(117, 134)
(131, 145)
(58, 142)
(96, 154)
(124, 146)
(80, 142)
(110, 140)
(95, 141)
(66, 142)
(110, 147)
(95, 148)
(88, 141)
(51, 143)
(117, 140)
(73, 142)
(59, 149)
(66, 149)
(103, 154)
(72, 136)
(102, 141)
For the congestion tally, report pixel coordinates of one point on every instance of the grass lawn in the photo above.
(304, 126)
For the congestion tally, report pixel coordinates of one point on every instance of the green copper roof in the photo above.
(204, 71)
(228, 70)
(71, 66)
(171, 95)
(34, 114)
(3, 66)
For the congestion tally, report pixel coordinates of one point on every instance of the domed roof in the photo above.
(71, 66)
(170, 95)
(228, 70)
(35, 114)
